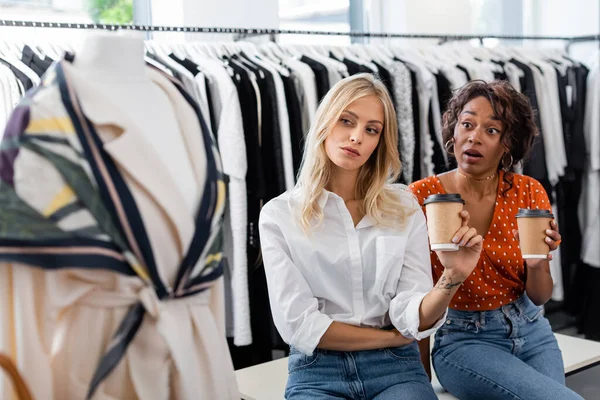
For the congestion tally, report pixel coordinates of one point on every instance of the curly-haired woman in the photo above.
(495, 343)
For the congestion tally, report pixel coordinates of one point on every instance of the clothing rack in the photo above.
(255, 31)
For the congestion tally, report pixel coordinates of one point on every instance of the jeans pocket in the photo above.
(407, 353)
(298, 361)
(533, 313)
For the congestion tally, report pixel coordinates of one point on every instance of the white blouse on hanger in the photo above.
(550, 118)
(589, 209)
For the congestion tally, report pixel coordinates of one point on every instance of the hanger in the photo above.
(378, 54)
(269, 54)
(277, 50)
(48, 50)
(359, 51)
(337, 52)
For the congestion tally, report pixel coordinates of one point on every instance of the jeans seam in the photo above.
(479, 376)
(398, 358)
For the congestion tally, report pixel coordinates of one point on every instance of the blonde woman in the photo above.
(347, 258)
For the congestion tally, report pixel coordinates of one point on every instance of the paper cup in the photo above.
(532, 232)
(443, 220)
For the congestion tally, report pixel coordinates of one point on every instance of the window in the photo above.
(314, 15)
(67, 11)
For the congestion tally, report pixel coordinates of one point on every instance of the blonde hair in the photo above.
(380, 202)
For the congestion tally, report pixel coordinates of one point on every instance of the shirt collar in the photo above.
(365, 222)
(323, 198)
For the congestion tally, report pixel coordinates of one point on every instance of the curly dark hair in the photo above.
(511, 107)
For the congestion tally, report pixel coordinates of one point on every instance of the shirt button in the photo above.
(448, 322)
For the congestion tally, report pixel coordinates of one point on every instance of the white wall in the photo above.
(564, 18)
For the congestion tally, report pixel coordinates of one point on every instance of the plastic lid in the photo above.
(444, 198)
(531, 213)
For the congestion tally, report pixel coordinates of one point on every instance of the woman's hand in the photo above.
(553, 239)
(460, 264)
(398, 340)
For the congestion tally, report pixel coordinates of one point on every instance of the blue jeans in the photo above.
(507, 353)
(394, 373)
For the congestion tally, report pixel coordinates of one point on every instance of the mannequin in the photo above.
(161, 171)
(113, 66)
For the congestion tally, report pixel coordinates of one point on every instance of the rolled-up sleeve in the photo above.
(415, 282)
(295, 309)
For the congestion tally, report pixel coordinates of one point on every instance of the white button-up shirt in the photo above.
(366, 275)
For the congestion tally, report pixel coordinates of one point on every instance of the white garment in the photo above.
(481, 70)
(425, 83)
(514, 75)
(232, 145)
(10, 95)
(589, 206)
(455, 76)
(546, 89)
(402, 84)
(364, 276)
(558, 291)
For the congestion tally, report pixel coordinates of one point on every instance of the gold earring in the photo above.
(449, 143)
(512, 160)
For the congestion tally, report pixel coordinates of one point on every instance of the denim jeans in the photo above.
(394, 373)
(507, 353)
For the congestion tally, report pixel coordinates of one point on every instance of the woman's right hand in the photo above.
(460, 264)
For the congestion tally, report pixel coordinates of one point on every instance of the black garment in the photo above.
(384, 76)
(587, 281)
(569, 188)
(264, 152)
(259, 350)
(34, 62)
(573, 115)
(255, 177)
(295, 118)
(465, 71)
(211, 108)
(321, 76)
(272, 147)
(27, 83)
(536, 165)
(500, 76)
(445, 95)
(444, 91)
(175, 74)
(187, 64)
(355, 68)
(439, 163)
(415, 103)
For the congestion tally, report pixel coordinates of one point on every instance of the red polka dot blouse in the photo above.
(499, 277)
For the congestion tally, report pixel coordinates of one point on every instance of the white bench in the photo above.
(267, 381)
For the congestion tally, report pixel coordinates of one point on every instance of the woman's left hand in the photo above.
(553, 239)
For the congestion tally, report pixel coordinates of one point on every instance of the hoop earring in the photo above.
(449, 143)
(507, 168)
